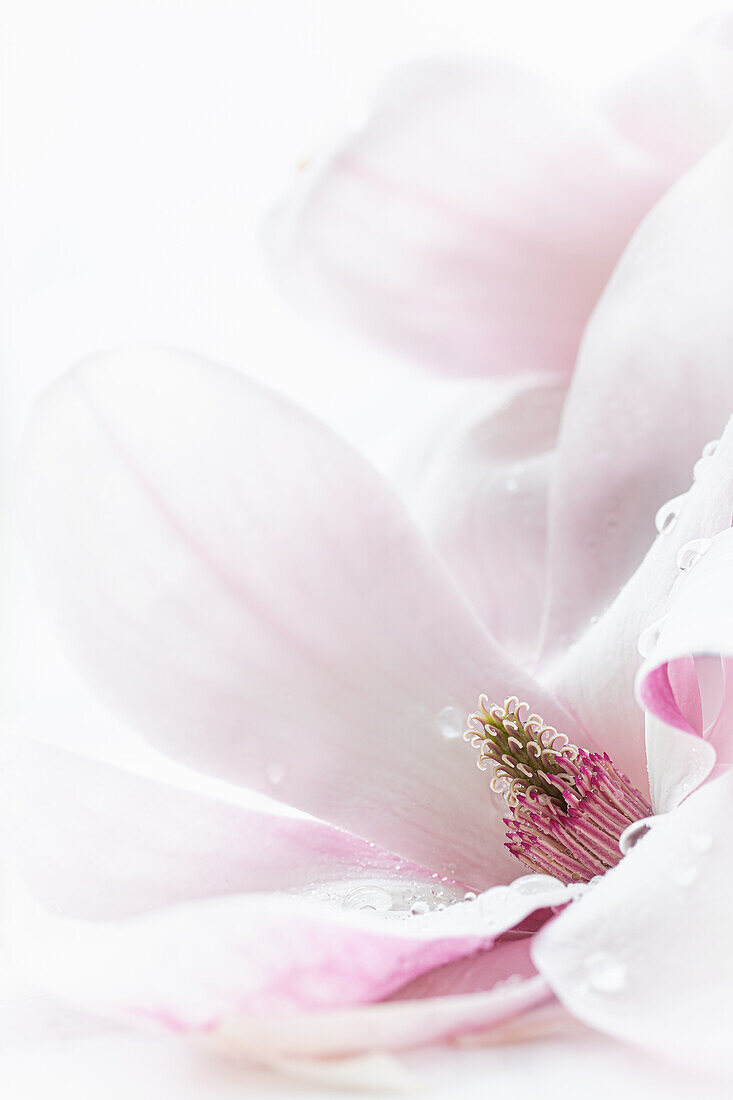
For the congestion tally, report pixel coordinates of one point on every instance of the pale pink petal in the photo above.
(653, 385)
(506, 962)
(387, 1026)
(678, 763)
(247, 590)
(646, 954)
(472, 221)
(474, 473)
(92, 840)
(191, 965)
(597, 673)
(469, 995)
(679, 107)
(698, 624)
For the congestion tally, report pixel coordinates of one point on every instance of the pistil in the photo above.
(568, 807)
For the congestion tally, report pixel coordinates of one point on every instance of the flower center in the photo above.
(568, 806)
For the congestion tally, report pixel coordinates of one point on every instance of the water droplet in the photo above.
(605, 974)
(534, 884)
(710, 448)
(633, 834)
(511, 485)
(666, 517)
(649, 638)
(275, 773)
(493, 898)
(702, 464)
(419, 908)
(451, 723)
(368, 897)
(470, 895)
(701, 842)
(691, 553)
(685, 875)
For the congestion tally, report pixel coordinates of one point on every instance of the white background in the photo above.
(143, 143)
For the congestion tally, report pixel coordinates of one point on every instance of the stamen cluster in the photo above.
(568, 806)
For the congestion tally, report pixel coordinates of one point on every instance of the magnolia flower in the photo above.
(245, 588)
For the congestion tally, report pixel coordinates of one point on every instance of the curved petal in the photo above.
(682, 105)
(475, 479)
(653, 384)
(471, 995)
(598, 673)
(646, 955)
(94, 841)
(245, 588)
(698, 624)
(678, 763)
(472, 222)
(190, 966)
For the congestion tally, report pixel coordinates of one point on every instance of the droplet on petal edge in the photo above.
(649, 638)
(638, 829)
(666, 516)
(691, 553)
(534, 884)
(685, 874)
(605, 974)
(702, 464)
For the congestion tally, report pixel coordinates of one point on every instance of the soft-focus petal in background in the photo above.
(473, 221)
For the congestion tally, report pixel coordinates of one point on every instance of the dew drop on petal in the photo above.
(691, 553)
(605, 974)
(701, 842)
(685, 875)
(470, 895)
(633, 834)
(451, 723)
(534, 884)
(649, 638)
(710, 448)
(702, 464)
(368, 897)
(666, 517)
(275, 773)
(419, 908)
(493, 898)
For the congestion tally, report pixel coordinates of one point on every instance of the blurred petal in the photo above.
(682, 105)
(472, 221)
(94, 841)
(476, 480)
(598, 672)
(652, 386)
(190, 965)
(646, 955)
(247, 590)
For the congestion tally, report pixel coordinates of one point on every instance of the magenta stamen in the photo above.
(568, 806)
